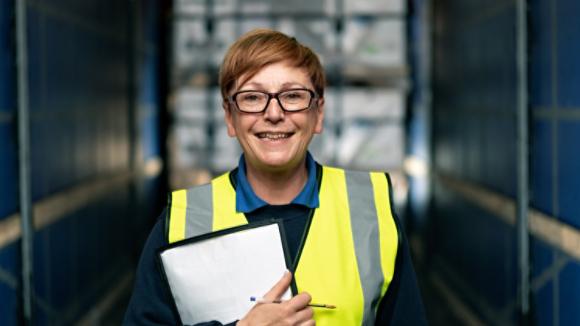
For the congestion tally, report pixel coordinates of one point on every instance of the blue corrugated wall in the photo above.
(80, 130)
(555, 156)
(9, 255)
(475, 140)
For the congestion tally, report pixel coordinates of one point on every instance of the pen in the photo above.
(319, 305)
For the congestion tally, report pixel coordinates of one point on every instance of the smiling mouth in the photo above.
(268, 136)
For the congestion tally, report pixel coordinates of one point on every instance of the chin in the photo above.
(277, 160)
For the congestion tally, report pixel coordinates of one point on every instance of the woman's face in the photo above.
(275, 140)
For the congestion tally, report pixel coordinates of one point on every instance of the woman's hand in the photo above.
(293, 312)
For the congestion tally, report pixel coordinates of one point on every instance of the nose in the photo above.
(274, 112)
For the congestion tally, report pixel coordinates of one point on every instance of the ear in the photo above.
(320, 116)
(228, 118)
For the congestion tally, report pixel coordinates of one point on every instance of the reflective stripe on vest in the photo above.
(348, 258)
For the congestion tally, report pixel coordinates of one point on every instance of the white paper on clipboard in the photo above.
(213, 279)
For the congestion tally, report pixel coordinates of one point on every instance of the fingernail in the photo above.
(286, 272)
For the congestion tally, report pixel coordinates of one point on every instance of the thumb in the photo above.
(278, 290)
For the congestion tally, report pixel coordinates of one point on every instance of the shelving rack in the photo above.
(360, 63)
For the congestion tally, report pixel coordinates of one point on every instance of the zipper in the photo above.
(309, 222)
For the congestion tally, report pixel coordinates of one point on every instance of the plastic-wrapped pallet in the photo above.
(190, 128)
(189, 43)
(372, 136)
(371, 147)
(190, 7)
(317, 34)
(191, 106)
(373, 7)
(227, 7)
(224, 7)
(373, 104)
(375, 42)
(327, 7)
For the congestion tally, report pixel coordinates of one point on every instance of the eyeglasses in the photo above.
(291, 100)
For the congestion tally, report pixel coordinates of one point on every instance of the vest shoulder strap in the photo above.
(182, 204)
(193, 212)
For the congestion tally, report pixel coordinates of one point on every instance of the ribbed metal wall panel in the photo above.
(475, 141)
(555, 141)
(8, 157)
(9, 255)
(80, 131)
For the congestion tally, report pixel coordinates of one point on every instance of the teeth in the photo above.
(273, 136)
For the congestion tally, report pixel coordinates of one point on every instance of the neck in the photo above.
(278, 187)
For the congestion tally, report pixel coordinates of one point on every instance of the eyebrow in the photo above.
(286, 84)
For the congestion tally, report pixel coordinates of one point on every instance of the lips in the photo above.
(274, 136)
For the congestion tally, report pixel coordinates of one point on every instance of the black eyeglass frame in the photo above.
(313, 96)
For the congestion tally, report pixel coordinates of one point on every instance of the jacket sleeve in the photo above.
(402, 304)
(150, 304)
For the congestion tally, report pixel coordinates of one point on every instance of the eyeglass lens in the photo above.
(291, 100)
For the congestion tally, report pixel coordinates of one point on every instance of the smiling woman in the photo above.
(343, 236)
(275, 140)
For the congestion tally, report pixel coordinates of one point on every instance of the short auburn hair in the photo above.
(261, 47)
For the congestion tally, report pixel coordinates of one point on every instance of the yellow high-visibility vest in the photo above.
(348, 257)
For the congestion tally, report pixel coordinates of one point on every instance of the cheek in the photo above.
(309, 121)
(243, 124)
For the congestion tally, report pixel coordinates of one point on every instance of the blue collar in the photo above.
(247, 201)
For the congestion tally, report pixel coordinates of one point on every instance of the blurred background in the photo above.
(472, 106)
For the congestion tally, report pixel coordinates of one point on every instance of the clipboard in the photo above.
(212, 276)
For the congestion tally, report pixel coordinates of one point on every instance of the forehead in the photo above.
(276, 76)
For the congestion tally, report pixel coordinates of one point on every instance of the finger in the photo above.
(278, 290)
(304, 315)
(300, 301)
(310, 322)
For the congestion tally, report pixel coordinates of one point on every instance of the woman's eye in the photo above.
(293, 96)
(251, 97)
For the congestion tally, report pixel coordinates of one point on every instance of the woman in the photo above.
(342, 234)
